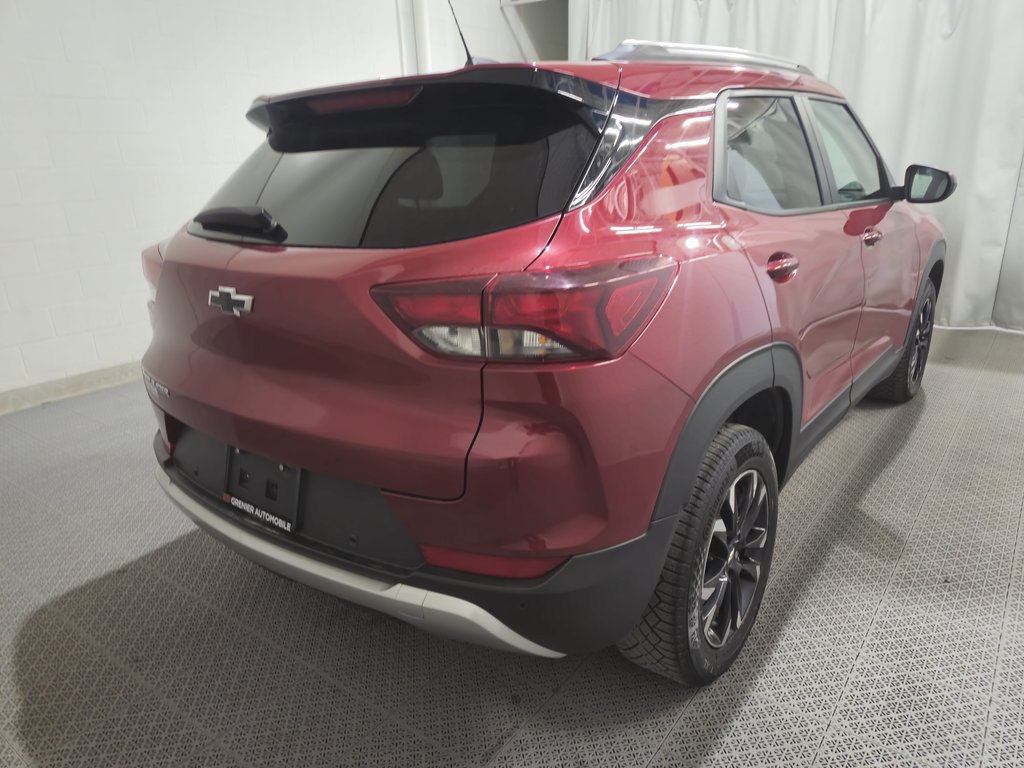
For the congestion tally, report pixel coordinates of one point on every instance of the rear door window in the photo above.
(455, 162)
(856, 169)
(768, 165)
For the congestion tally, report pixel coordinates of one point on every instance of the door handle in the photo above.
(871, 236)
(782, 267)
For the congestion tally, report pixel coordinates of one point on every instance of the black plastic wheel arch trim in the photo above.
(752, 373)
(773, 366)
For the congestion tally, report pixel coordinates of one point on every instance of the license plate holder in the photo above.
(263, 489)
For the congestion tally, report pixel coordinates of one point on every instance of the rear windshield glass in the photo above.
(455, 162)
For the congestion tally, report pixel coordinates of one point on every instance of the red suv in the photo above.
(522, 354)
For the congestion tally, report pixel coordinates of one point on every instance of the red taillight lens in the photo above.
(490, 565)
(589, 313)
(444, 317)
(626, 304)
(418, 304)
(595, 312)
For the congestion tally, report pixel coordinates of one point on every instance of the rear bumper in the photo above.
(433, 611)
(588, 603)
(566, 459)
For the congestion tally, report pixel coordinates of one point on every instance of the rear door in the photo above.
(808, 267)
(860, 184)
(413, 182)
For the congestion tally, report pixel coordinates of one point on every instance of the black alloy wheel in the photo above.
(922, 341)
(905, 380)
(733, 563)
(717, 567)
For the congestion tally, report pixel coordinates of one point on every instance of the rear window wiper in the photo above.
(245, 220)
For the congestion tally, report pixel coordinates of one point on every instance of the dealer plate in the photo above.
(263, 489)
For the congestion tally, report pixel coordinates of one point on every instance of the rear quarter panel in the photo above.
(661, 203)
(621, 420)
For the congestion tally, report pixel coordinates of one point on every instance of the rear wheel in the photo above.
(711, 587)
(905, 381)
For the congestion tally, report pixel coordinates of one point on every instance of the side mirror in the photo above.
(923, 184)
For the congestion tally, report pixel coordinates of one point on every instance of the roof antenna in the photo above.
(469, 58)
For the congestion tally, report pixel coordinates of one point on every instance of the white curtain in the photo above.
(939, 82)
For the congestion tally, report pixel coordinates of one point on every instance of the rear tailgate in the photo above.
(416, 179)
(316, 375)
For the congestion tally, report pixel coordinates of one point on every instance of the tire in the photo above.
(672, 637)
(905, 381)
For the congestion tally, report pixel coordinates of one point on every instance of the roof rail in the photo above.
(650, 50)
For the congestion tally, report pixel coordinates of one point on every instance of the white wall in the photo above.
(530, 31)
(119, 119)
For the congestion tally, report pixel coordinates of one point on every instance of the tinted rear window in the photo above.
(457, 161)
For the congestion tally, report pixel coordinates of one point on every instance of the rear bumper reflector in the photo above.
(489, 565)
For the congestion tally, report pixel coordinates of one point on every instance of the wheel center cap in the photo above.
(732, 555)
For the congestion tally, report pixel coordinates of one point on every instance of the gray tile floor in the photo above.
(893, 628)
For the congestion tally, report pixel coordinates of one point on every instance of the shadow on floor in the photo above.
(192, 654)
(823, 531)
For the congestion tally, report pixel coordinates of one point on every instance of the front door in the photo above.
(888, 244)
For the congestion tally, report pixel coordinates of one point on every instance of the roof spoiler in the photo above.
(270, 112)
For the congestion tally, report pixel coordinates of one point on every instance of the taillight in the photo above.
(588, 313)
(444, 317)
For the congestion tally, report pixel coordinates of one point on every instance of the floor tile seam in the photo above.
(671, 730)
(532, 716)
(1002, 634)
(791, 709)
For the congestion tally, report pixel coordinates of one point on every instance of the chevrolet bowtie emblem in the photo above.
(229, 301)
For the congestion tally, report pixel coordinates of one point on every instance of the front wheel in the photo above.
(905, 381)
(714, 577)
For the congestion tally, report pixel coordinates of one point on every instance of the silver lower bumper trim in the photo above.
(435, 612)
